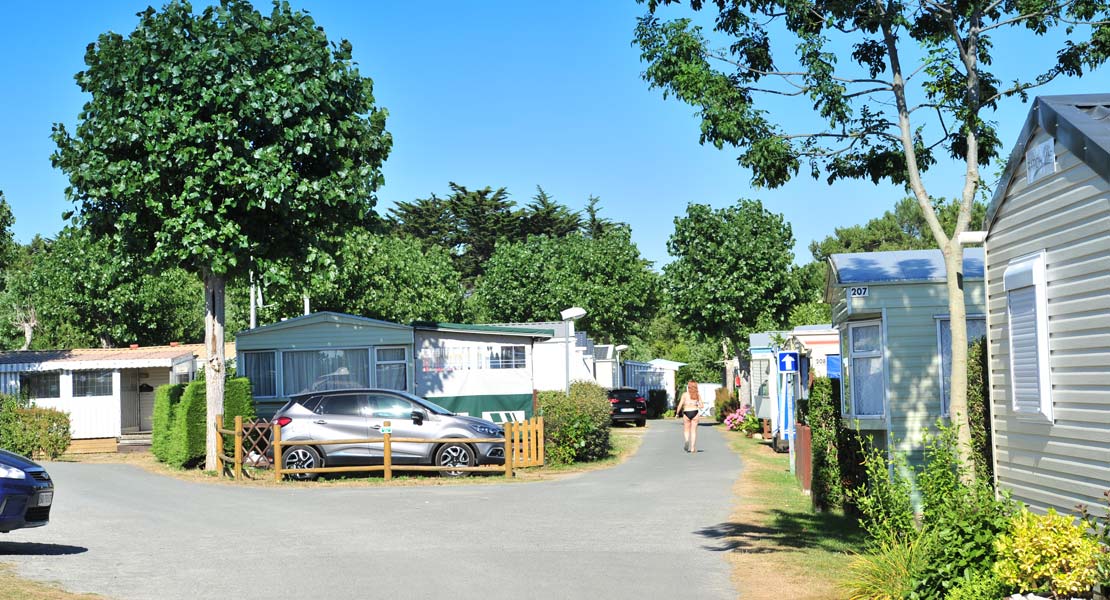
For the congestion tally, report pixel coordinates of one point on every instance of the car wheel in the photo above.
(301, 457)
(455, 455)
(641, 422)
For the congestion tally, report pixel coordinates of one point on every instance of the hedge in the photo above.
(576, 427)
(166, 399)
(187, 436)
(32, 431)
(978, 408)
(656, 403)
(725, 403)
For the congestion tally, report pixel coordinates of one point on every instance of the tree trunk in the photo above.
(957, 311)
(214, 360)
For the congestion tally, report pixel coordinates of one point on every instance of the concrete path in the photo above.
(627, 532)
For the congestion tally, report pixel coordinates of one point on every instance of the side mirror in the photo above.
(417, 417)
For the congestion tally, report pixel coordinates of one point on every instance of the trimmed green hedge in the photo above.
(166, 398)
(185, 438)
(576, 427)
(32, 431)
(656, 403)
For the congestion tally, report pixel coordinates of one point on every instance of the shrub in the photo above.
(823, 417)
(1048, 553)
(166, 398)
(978, 585)
(31, 431)
(576, 427)
(724, 403)
(187, 440)
(883, 500)
(978, 408)
(656, 403)
(889, 571)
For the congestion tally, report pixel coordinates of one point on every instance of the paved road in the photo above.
(626, 532)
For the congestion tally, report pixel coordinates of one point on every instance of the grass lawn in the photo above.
(779, 546)
(625, 441)
(14, 588)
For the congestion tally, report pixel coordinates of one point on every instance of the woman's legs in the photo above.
(685, 433)
(692, 425)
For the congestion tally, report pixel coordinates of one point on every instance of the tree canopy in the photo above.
(731, 270)
(535, 279)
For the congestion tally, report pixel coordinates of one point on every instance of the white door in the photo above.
(146, 408)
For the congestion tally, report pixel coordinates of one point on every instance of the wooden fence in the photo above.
(523, 441)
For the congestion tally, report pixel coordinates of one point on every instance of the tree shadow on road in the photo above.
(786, 530)
(37, 549)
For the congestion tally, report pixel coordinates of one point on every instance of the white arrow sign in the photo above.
(788, 362)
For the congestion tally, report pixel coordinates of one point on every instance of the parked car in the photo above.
(627, 405)
(352, 414)
(26, 493)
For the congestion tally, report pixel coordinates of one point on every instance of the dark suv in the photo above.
(627, 405)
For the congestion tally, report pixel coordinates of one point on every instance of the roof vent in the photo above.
(134, 346)
(175, 344)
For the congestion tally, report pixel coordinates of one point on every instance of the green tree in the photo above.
(393, 278)
(595, 225)
(83, 293)
(8, 246)
(895, 87)
(731, 272)
(535, 279)
(544, 216)
(215, 140)
(665, 338)
(427, 219)
(482, 218)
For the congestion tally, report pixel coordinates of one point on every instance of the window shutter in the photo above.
(1024, 356)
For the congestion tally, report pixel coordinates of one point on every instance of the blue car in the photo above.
(26, 493)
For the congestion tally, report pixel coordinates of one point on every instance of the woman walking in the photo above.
(688, 408)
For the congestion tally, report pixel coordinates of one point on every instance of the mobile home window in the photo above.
(260, 369)
(868, 387)
(314, 370)
(976, 329)
(1027, 315)
(40, 385)
(391, 368)
(92, 383)
(507, 357)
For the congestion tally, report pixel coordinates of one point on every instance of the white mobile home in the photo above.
(891, 309)
(107, 392)
(1048, 294)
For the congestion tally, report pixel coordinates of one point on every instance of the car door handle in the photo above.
(320, 422)
(375, 427)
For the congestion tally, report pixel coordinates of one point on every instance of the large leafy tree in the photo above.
(217, 139)
(394, 278)
(8, 246)
(731, 271)
(535, 279)
(894, 87)
(82, 293)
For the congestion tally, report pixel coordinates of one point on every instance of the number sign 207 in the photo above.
(857, 292)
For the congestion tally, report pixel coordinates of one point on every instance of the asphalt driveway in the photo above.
(626, 532)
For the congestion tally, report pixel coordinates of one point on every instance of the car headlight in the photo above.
(7, 472)
(488, 431)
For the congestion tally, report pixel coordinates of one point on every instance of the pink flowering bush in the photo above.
(743, 419)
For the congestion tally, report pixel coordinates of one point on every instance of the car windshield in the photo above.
(625, 395)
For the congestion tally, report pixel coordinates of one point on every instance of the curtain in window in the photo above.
(92, 383)
(391, 369)
(314, 370)
(259, 368)
(867, 382)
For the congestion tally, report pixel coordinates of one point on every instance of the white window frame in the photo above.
(853, 355)
(1023, 273)
(276, 372)
(112, 385)
(374, 362)
(941, 319)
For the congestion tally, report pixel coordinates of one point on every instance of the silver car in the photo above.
(352, 414)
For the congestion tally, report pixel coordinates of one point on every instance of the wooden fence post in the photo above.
(219, 446)
(539, 450)
(276, 429)
(509, 449)
(387, 447)
(238, 447)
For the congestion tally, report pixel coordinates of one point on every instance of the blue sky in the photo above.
(509, 94)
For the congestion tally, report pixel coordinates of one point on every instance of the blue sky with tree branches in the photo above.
(513, 94)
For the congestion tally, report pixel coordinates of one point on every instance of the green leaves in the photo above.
(731, 271)
(216, 139)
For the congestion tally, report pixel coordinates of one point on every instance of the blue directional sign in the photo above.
(788, 362)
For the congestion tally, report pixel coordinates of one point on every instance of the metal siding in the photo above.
(1068, 215)
(324, 334)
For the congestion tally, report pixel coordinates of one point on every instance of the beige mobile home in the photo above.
(892, 312)
(1048, 302)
